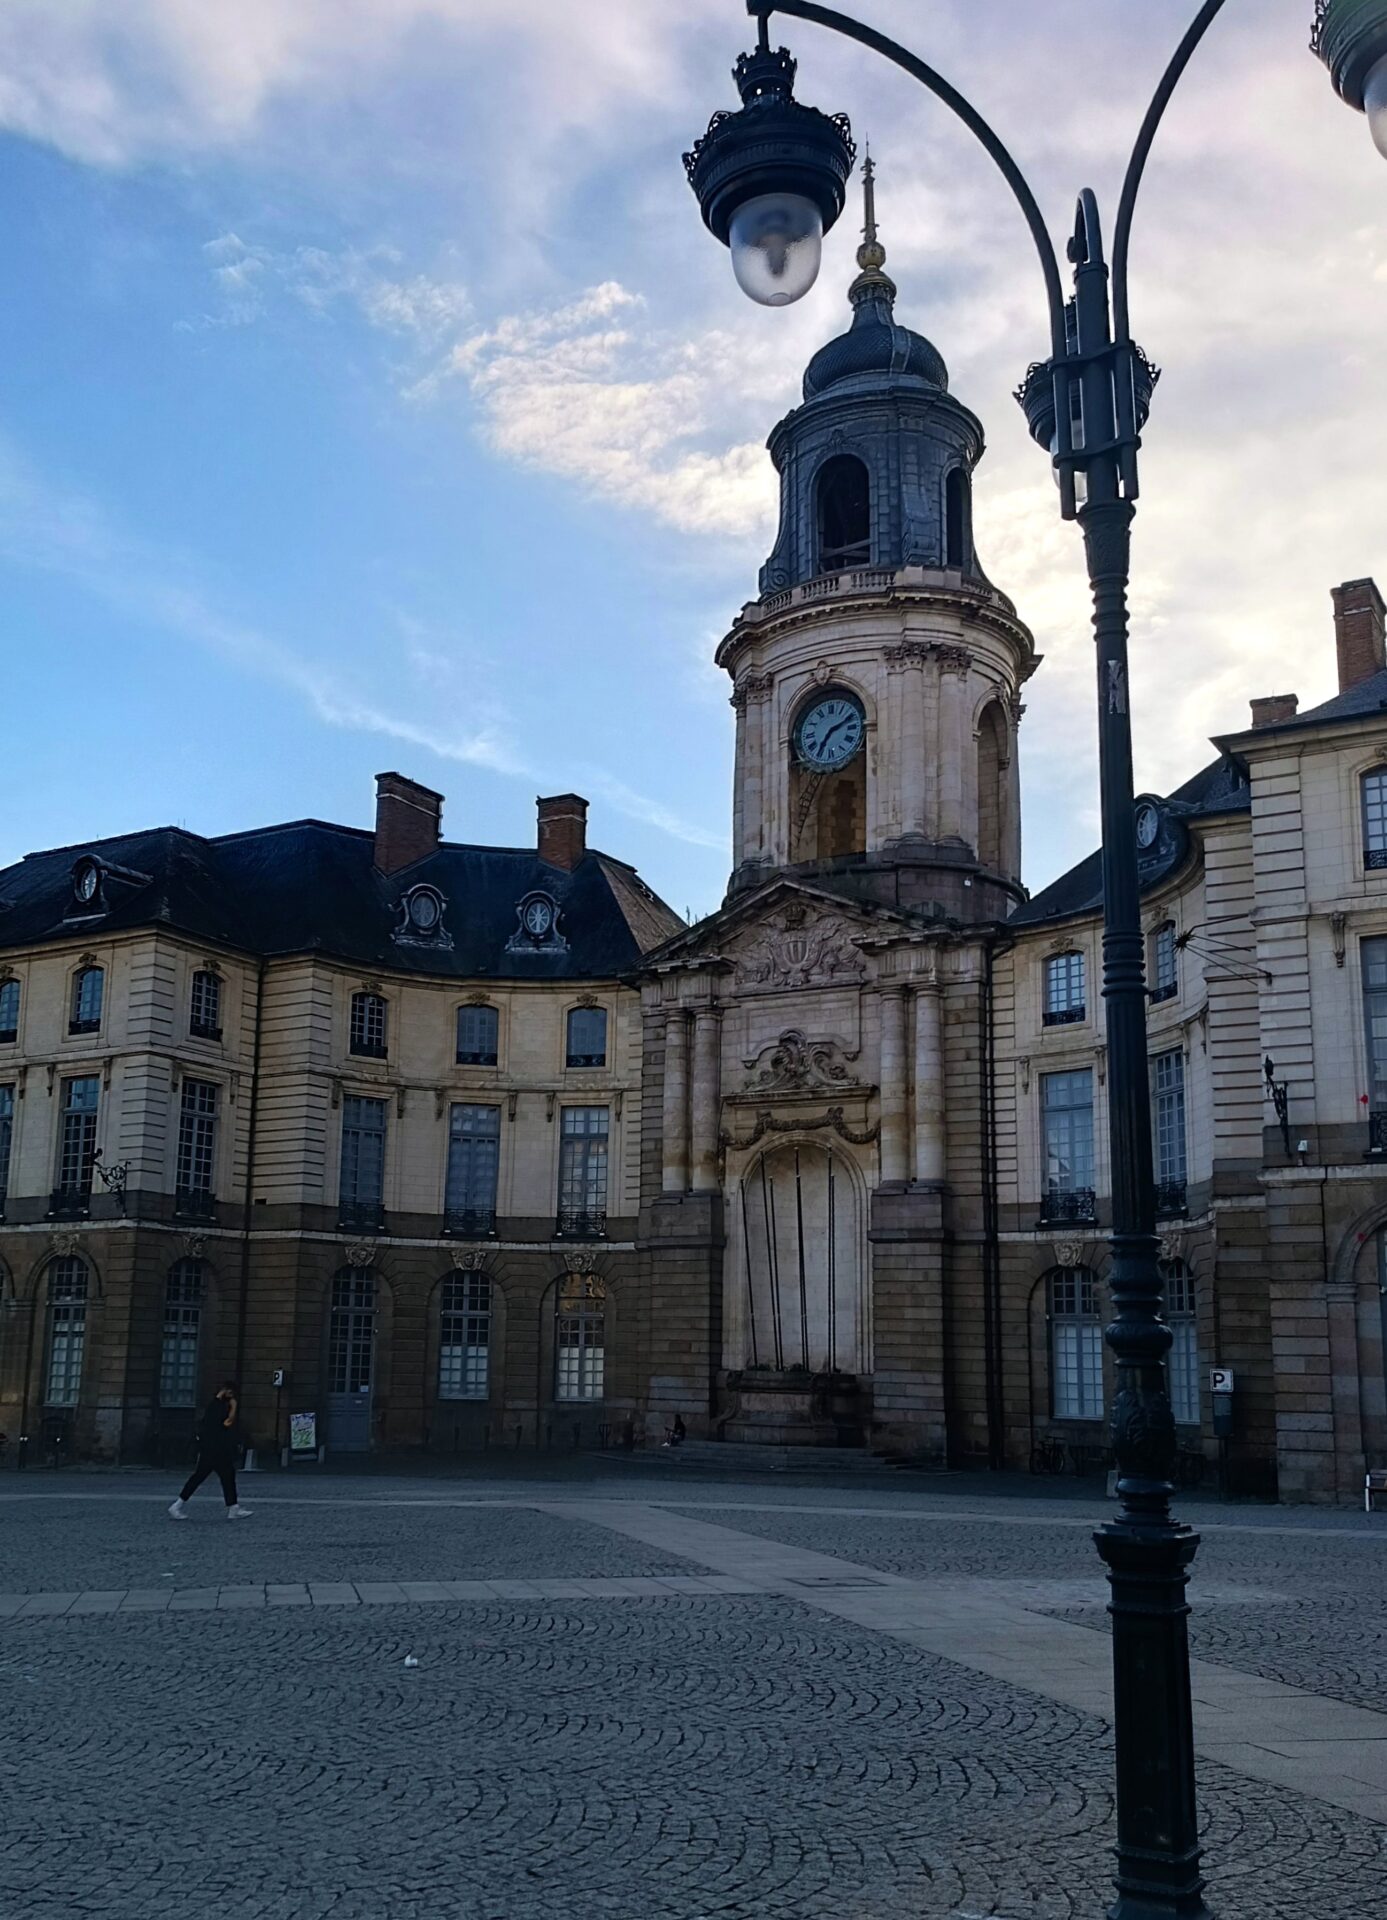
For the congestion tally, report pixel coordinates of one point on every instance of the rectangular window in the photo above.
(1064, 989)
(205, 1006)
(1066, 1121)
(1374, 963)
(368, 1026)
(67, 1337)
(474, 1156)
(77, 1138)
(197, 1139)
(88, 992)
(6, 1137)
(1164, 979)
(1374, 790)
(363, 1157)
(1168, 1128)
(182, 1315)
(464, 1337)
(583, 1171)
(1183, 1363)
(1076, 1346)
(9, 1011)
(478, 1031)
(587, 1037)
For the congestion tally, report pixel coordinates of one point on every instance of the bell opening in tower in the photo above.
(845, 514)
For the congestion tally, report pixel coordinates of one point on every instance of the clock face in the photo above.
(830, 732)
(1148, 825)
(87, 881)
(539, 917)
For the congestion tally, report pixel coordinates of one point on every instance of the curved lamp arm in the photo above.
(971, 118)
(1136, 167)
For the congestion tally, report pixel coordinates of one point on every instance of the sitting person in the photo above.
(676, 1435)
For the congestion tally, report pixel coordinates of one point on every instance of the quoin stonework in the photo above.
(484, 1147)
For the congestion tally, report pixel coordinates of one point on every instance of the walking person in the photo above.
(216, 1453)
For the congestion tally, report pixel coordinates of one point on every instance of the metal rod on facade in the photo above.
(750, 1283)
(773, 1262)
(832, 1277)
(803, 1292)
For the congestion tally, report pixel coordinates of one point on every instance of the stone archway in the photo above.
(801, 1302)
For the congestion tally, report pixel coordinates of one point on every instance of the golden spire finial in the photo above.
(871, 255)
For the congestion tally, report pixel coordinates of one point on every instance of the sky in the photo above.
(371, 396)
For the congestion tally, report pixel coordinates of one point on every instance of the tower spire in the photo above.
(872, 284)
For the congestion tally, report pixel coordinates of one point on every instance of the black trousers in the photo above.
(223, 1465)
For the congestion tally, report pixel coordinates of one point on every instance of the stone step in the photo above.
(746, 1456)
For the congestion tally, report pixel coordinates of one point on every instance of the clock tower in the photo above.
(877, 678)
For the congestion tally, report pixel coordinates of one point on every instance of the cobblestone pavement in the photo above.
(660, 1756)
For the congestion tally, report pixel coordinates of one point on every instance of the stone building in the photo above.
(486, 1147)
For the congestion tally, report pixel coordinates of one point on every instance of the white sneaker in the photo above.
(238, 1512)
(178, 1511)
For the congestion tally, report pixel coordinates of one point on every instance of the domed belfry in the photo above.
(813, 1226)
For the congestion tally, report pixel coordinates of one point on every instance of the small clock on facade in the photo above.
(830, 731)
(1148, 825)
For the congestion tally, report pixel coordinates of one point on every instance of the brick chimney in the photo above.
(1360, 629)
(563, 830)
(1273, 708)
(409, 819)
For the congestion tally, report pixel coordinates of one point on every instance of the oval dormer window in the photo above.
(86, 883)
(425, 909)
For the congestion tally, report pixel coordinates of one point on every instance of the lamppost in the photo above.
(770, 182)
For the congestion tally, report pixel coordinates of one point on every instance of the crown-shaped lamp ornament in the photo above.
(1350, 36)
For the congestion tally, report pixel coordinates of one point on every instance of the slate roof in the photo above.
(1217, 788)
(1367, 698)
(311, 887)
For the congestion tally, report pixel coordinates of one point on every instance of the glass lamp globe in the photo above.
(1375, 104)
(777, 243)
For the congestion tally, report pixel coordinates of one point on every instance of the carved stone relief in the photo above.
(795, 954)
(468, 1259)
(795, 1064)
(361, 1254)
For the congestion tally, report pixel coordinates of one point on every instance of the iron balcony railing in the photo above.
(1374, 859)
(1170, 1198)
(469, 1223)
(1062, 1016)
(1167, 991)
(361, 1216)
(195, 1203)
(1377, 1131)
(69, 1203)
(580, 1226)
(1068, 1206)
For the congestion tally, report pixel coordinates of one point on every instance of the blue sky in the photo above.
(370, 396)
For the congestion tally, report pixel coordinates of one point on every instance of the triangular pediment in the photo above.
(786, 934)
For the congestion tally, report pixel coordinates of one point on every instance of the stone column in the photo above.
(706, 1103)
(905, 665)
(739, 781)
(675, 1163)
(894, 1126)
(955, 739)
(929, 1085)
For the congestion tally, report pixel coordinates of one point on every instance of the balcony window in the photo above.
(587, 1037)
(1168, 1130)
(1066, 1123)
(580, 1338)
(205, 1009)
(1076, 1345)
(583, 1172)
(1164, 980)
(474, 1155)
(183, 1291)
(464, 1337)
(9, 1012)
(68, 1280)
(1064, 990)
(1373, 958)
(6, 1139)
(478, 1034)
(81, 1099)
(88, 992)
(1373, 787)
(1183, 1362)
(362, 1188)
(196, 1169)
(368, 1026)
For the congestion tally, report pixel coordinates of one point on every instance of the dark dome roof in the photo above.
(874, 343)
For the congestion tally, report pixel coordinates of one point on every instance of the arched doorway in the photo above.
(801, 1303)
(351, 1359)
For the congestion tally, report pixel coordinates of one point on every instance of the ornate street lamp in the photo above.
(767, 186)
(1350, 36)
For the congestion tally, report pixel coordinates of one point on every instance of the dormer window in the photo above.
(421, 919)
(88, 992)
(86, 887)
(368, 1025)
(844, 514)
(205, 1010)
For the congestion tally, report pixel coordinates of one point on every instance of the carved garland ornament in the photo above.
(767, 1123)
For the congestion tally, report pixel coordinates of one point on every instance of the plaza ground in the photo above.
(644, 1692)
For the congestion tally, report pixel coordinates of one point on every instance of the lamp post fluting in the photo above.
(769, 182)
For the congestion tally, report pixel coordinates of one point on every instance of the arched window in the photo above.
(368, 1025)
(464, 1337)
(1184, 1346)
(992, 760)
(9, 1011)
(580, 1313)
(478, 1035)
(587, 1037)
(67, 1330)
(205, 1011)
(844, 514)
(1076, 1345)
(88, 991)
(351, 1330)
(956, 519)
(183, 1292)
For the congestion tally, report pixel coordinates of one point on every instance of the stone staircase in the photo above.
(744, 1456)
